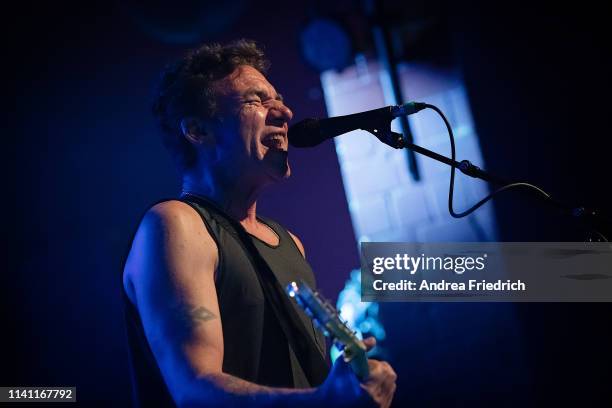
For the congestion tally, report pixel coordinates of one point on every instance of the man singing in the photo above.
(206, 322)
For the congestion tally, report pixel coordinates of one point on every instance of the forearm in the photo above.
(220, 389)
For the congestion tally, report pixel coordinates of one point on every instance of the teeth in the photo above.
(274, 140)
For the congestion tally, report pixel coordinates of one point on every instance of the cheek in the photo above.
(252, 121)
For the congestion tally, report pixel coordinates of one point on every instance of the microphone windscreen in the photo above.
(306, 133)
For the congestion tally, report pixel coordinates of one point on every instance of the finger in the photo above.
(375, 370)
(388, 387)
(387, 383)
(370, 343)
(389, 370)
(381, 381)
(382, 369)
(388, 398)
(392, 394)
(388, 390)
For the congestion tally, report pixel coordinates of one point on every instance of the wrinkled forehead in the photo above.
(243, 80)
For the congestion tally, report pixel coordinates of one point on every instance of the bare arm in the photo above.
(170, 278)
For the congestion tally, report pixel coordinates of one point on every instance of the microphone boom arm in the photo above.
(590, 217)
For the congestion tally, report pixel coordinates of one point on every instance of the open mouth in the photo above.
(275, 141)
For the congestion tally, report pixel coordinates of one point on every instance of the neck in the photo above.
(235, 195)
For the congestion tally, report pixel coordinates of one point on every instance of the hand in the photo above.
(380, 385)
(343, 389)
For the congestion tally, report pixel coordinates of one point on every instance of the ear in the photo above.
(194, 131)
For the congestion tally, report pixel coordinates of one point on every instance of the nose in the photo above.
(280, 112)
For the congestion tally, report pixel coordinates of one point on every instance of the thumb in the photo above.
(370, 343)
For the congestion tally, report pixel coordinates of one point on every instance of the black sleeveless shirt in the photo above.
(255, 347)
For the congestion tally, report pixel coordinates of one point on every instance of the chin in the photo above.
(280, 174)
(277, 166)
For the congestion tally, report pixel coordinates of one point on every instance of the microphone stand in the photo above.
(589, 217)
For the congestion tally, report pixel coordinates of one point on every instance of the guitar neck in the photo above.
(325, 316)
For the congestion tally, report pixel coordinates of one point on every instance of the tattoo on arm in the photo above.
(195, 315)
(200, 314)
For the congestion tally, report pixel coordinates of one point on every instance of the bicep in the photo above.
(172, 264)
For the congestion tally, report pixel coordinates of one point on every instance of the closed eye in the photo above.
(259, 95)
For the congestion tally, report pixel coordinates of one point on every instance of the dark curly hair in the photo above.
(186, 89)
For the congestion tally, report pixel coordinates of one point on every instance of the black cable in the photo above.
(452, 177)
(491, 195)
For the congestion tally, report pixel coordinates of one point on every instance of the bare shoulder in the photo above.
(171, 231)
(178, 225)
(298, 243)
(172, 214)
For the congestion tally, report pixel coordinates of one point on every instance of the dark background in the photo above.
(83, 161)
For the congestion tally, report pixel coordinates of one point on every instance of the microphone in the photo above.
(311, 132)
